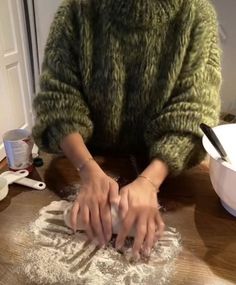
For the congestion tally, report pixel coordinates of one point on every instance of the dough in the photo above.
(116, 223)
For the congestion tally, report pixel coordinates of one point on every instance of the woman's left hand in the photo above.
(139, 206)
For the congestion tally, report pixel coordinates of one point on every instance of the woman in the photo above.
(128, 75)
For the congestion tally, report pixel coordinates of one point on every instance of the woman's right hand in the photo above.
(97, 192)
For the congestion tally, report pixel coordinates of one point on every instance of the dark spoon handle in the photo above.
(210, 134)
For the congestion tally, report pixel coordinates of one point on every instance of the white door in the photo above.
(15, 76)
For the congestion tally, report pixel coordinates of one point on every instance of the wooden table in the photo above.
(191, 206)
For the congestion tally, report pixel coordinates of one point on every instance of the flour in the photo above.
(60, 257)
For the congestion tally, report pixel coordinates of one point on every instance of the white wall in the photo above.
(44, 13)
(226, 12)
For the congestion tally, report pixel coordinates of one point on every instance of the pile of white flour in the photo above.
(58, 257)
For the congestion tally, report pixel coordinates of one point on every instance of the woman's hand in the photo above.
(96, 194)
(139, 206)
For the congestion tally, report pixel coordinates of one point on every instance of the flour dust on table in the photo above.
(60, 257)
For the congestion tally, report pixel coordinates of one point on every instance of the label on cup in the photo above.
(18, 146)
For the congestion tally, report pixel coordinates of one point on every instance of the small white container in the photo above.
(18, 145)
(223, 174)
(3, 188)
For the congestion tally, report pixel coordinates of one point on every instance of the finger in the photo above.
(123, 205)
(105, 213)
(160, 225)
(74, 215)
(125, 229)
(114, 197)
(149, 239)
(141, 231)
(85, 219)
(96, 224)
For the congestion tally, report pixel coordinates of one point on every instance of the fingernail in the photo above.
(89, 239)
(158, 237)
(147, 251)
(102, 242)
(135, 257)
(118, 246)
(121, 249)
(108, 237)
(96, 242)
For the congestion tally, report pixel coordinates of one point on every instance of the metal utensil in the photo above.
(210, 134)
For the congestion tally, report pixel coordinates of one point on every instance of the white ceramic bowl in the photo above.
(3, 188)
(223, 174)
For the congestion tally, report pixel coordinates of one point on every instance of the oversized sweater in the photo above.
(132, 75)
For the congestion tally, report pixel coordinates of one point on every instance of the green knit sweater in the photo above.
(132, 75)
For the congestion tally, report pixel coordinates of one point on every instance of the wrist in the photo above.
(147, 182)
(88, 168)
(157, 171)
(84, 164)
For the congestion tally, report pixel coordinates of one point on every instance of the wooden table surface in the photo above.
(191, 206)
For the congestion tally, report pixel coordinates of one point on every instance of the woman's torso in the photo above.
(128, 73)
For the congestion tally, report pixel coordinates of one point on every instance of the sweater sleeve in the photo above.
(60, 106)
(174, 135)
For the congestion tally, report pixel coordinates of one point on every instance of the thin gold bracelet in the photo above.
(149, 180)
(84, 163)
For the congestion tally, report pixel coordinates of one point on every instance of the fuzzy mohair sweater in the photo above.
(133, 76)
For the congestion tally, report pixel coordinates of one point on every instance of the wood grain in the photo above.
(3, 164)
(189, 204)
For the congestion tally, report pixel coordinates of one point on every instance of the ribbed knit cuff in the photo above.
(49, 140)
(178, 151)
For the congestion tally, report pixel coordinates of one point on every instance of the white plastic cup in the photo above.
(18, 145)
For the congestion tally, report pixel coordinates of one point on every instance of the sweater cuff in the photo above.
(179, 152)
(49, 140)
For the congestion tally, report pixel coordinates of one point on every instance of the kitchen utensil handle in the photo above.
(210, 134)
(38, 185)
